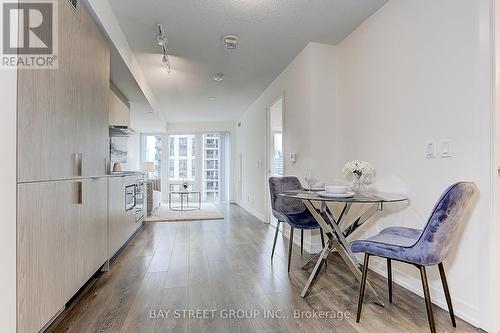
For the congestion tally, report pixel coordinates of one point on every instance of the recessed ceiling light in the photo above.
(230, 42)
(211, 99)
(218, 77)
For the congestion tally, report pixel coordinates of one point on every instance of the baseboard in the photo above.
(252, 211)
(462, 309)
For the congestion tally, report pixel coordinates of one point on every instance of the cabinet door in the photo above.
(91, 232)
(47, 104)
(43, 251)
(63, 113)
(117, 215)
(89, 229)
(93, 110)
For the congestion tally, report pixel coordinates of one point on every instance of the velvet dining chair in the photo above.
(421, 248)
(291, 211)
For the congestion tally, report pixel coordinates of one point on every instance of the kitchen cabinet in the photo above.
(63, 113)
(62, 242)
(122, 224)
(42, 251)
(93, 125)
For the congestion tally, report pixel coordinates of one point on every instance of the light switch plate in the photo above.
(430, 150)
(293, 157)
(445, 148)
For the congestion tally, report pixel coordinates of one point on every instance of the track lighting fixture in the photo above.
(162, 41)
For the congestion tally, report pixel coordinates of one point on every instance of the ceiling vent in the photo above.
(230, 42)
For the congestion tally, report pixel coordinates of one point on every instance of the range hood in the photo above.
(119, 130)
(119, 114)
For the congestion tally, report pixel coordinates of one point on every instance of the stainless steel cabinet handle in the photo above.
(79, 193)
(78, 163)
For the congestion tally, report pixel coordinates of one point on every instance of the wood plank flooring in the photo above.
(225, 265)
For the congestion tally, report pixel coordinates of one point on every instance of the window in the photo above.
(151, 147)
(171, 168)
(278, 154)
(212, 153)
(211, 144)
(211, 164)
(183, 169)
(212, 175)
(181, 157)
(171, 146)
(183, 146)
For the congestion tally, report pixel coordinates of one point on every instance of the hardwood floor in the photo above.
(225, 265)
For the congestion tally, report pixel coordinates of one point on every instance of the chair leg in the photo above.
(275, 238)
(389, 278)
(428, 303)
(323, 244)
(447, 294)
(290, 245)
(301, 241)
(362, 286)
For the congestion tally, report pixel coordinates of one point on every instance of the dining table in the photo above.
(332, 213)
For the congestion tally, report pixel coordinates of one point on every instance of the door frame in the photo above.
(267, 160)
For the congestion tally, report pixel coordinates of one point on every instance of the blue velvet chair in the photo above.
(291, 211)
(422, 248)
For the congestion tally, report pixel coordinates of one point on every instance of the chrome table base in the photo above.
(337, 241)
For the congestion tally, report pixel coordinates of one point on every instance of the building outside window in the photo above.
(151, 148)
(183, 146)
(211, 180)
(181, 158)
(278, 161)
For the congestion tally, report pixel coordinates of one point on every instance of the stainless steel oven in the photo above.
(129, 197)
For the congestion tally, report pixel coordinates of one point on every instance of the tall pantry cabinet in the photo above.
(62, 188)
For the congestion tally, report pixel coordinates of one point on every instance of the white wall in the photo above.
(197, 127)
(416, 71)
(496, 248)
(133, 153)
(8, 126)
(420, 71)
(308, 89)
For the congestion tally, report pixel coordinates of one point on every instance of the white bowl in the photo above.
(336, 189)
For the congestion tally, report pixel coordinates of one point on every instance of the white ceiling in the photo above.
(271, 32)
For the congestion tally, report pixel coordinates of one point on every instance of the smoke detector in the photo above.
(230, 42)
(218, 77)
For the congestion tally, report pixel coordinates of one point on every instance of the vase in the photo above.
(359, 187)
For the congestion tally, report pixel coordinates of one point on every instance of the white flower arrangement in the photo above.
(358, 169)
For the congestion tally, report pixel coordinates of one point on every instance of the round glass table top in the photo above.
(378, 197)
(185, 192)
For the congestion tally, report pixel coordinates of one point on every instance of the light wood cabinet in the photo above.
(93, 117)
(64, 111)
(43, 249)
(62, 227)
(62, 242)
(121, 223)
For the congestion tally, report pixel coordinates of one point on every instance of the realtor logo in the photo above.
(29, 34)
